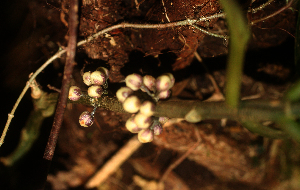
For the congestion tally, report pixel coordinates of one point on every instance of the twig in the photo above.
(261, 7)
(53, 88)
(11, 114)
(92, 37)
(114, 163)
(211, 34)
(70, 63)
(273, 14)
(165, 10)
(152, 26)
(181, 158)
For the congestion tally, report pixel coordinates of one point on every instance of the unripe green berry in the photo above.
(164, 94)
(142, 120)
(86, 119)
(74, 93)
(149, 82)
(134, 81)
(98, 78)
(132, 104)
(123, 93)
(132, 126)
(87, 78)
(145, 136)
(163, 83)
(147, 108)
(95, 91)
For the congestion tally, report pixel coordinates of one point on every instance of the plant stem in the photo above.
(249, 110)
(273, 14)
(70, 63)
(239, 35)
(261, 7)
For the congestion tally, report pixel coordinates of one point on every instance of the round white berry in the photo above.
(149, 82)
(163, 83)
(74, 93)
(145, 136)
(132, 104)
(123, 93)
(164, 94)
(95, 91)
(87, 78)
(172, 78)
(98, 78)
(147, 108)
(134, 81)
(132, 126)
(142, 120)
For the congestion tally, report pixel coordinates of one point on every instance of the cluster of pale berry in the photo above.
(97, 82)
(143, 122)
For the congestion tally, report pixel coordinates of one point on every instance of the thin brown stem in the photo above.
(273, 14)
(261, 7)
(186, 22)
(70, 63)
